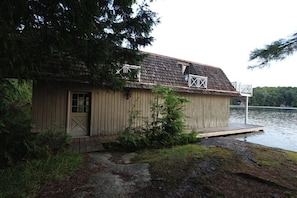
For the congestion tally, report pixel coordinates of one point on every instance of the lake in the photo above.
(280, 126)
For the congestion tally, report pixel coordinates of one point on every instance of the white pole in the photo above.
(246, 110)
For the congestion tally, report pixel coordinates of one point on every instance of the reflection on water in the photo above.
(280, 126)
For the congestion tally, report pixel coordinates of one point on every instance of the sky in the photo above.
(222, 33)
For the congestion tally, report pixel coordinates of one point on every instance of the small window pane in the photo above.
(74, 96)
(74, 103)
(80, 109)
(81, 102)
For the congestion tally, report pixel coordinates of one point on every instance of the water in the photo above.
(280, 126)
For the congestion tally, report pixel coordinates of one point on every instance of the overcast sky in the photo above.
(222, 33)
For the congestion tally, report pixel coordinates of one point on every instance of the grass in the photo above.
(267, 156)
(292, 156)
(178, 157)
(179, 153)
(23, 180)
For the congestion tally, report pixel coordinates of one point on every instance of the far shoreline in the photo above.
(263, 107)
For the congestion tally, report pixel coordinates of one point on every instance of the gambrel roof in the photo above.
(154, 69)
(164, 70)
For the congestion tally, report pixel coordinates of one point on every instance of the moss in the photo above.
(266, 156)
(291, 156)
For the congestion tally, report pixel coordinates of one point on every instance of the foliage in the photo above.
(56, 36)
(15, 130)
(48, 143)
(166, 128)
(24, 179)
(14, 93)
(277, 50)
(172, 116)
(273, 96)
(20, 174)
(132, 139)
(17, 143)
(15, 123)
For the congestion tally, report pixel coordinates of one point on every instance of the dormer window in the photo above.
(183, 66)
(191, 76)
(130, 72)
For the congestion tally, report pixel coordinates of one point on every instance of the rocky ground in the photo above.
(113, 174)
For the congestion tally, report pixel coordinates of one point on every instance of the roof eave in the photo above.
(184, 89)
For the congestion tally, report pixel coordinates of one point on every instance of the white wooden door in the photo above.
(79, 114)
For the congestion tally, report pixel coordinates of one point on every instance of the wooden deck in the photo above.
(232, 129)
(86, 144)
(94, 143)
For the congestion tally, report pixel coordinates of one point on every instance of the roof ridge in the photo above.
(180, 59)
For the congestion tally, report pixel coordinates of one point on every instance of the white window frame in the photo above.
(197, 81)
(243, 89)
(128, 68)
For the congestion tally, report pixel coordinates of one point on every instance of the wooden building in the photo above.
(88, 111)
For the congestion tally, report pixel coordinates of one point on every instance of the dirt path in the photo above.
(103, 175)
(118, 177)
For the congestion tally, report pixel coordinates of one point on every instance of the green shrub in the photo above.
(167, 127)
(130, 139)
(48, 143)
(15, 130)
(15, 120)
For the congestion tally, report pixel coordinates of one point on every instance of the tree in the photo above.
(274, 96)
(52, 36)
(277, 50)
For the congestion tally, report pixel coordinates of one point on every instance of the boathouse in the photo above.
(85, 110)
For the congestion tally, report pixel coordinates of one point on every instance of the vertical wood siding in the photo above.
(49, 106)
(207, 111)
(110, 109)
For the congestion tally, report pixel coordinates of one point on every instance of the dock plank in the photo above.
(232, 129)
(86, 144)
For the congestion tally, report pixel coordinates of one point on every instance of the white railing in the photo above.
(128, 69)
(243, 89)
(197, 81)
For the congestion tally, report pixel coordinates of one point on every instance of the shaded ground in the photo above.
(248, 170)
(103, 175)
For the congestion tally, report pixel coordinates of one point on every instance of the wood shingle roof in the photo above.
(164, 70)
(155, 69)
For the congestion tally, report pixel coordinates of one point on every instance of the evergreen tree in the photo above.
(277, 50)
(39, 36)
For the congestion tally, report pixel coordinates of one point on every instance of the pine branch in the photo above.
(276, 51)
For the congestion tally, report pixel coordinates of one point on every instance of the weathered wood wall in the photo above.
(207, 111)
(49, 105)
(110, 110)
